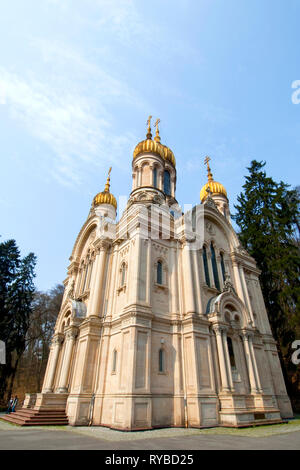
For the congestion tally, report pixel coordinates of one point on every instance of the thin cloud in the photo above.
(62, 114)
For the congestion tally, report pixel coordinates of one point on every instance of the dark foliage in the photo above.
(16, 297)
(268, 218)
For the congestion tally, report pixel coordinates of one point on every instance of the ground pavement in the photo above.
(280, 436)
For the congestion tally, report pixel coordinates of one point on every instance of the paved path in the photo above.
(37, 439)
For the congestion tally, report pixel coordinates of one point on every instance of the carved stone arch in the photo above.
(228, 302)
(73, 312)
(82, 238)
(229, 234)
(63, 317)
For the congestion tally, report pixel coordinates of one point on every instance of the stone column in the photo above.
(209, 265)
(218, 332)
(197, 282)
(151, 167)
(238, 282)
(70, 337)
(139, 179)
(247, 298)
(97, 285)
(56, 347)
(149, 273)
(221, 281)
(251, 347)
(248, 355)
(114, 281)
(133, 282)
(174, 281)
(134, 182)
(160, 176)
(227, 359)
(189, 296)
(173, 187)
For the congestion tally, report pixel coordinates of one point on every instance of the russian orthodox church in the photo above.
(162, 322)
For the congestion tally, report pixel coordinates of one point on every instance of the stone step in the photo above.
(29, 417)
(40, 412)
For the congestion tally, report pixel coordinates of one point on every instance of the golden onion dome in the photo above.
(215, 188)
(154, 146)
(105, 197)
(212, 186)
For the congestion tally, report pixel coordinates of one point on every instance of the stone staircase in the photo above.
(31, 417)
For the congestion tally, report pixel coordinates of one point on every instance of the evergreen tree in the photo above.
(268, 218)
(16, 296)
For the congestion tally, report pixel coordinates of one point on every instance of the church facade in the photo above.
(162, 322)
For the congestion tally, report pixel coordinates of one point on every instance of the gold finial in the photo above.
(157, 136)
(149, 135)
(106, 189)
(209, 173)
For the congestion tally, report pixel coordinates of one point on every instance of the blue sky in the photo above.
(78, 80)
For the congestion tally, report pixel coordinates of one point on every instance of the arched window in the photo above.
(155, 177)
(123, 274)
(214, 266)
(167, 183)
(205, 264)
(159, 273)
(231, 353)
(114, 364)
(223, 267)
(161, 360)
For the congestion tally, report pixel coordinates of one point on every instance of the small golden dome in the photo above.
(105, 197)
(214, 186)
(154, 146)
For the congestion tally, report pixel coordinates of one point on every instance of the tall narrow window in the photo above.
(205, 264)
(90, 274)
(231, 353)
(161, 360)
(123, 274)
(223, 267)
(155, 177)
(85, 276)
(167, 183)
(159, 273)
(114, 364)
(214, 266)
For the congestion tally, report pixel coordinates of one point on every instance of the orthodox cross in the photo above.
(106, 189)
(156, 125)
(149, 135)
(209, 173)
(206, 162)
